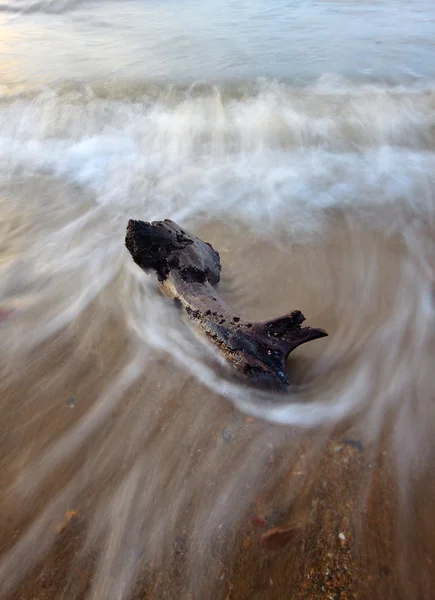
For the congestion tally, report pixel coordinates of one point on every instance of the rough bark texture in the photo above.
(187, 269)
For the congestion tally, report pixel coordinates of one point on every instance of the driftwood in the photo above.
(187, 269)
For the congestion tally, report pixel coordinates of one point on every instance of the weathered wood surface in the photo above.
(187, 269)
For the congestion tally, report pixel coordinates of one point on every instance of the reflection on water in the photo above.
(58, 39)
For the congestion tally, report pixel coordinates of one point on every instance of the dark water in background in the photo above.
(299, 139)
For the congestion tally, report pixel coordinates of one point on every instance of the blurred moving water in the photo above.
(299, 139)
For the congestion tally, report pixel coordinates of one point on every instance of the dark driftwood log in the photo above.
(187, 269)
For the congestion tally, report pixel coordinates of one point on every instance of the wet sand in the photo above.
(345, 545)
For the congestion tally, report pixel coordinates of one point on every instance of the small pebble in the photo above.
(357, 444)
(227, 434)
(246, 543)
(69, 515)
(342, 537)
(259, 521)
(71, 401)
(277, 538)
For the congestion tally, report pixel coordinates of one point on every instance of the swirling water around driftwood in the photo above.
(307, 159)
